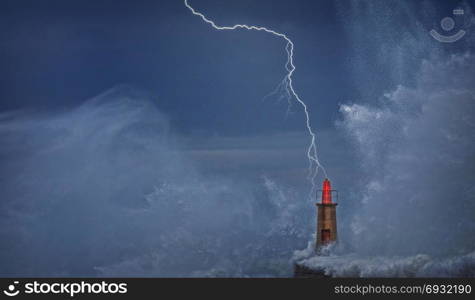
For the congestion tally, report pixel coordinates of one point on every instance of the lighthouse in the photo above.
(326, 216)
(326, 231)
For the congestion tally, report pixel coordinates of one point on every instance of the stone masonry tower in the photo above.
(326, 214)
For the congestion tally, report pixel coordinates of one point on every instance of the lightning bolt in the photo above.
(287, 86)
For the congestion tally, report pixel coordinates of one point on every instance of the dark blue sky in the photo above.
(60, 53)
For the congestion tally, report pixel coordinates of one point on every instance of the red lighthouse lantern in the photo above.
(327, 192)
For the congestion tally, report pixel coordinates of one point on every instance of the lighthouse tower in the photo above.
(326, 214)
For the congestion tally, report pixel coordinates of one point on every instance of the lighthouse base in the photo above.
(301, 271)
